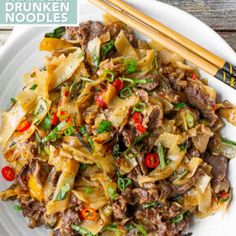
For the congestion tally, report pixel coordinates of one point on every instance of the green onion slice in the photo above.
(109, 75)
(126, 92)
(139, 107)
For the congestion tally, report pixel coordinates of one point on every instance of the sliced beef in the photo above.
(69, 217)
(155, 118)
(219, 172)
(119, 208)
(154, 76)
(198, 97)
(23, 177)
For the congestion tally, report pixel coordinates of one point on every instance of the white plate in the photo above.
(21, 54)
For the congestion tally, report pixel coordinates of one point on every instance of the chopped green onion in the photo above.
(17, 208)
(88, 190)
(107, 48)
(57, 33)
(180, 105)
(129, 154)
(81, 231)
(111, 227)
(178, 218)
(190, 120)
(34, 86)
(83, 166)
(112, 193)
(46, 123)
(13, 101)
(181, 173)
(227, 141)
(123, 183)
(96, 59)
(63, 192)
(141, 137)
(75, 89)
(141, 230)
(12, 144)
(104, 126)
(87, 79)
(139, 107)
(151, 204)
(69, 131)
(128, 80)
(116, 150)
(126, 92)
(131, 65)
(143, 81)
(183, 146)
(109, 75)
(83, 130)
(168, 161)
(160, 152)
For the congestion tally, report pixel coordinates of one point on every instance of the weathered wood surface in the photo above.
(218, 14)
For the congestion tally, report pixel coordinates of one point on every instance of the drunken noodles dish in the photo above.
(115, 136)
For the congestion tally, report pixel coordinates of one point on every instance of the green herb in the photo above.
(128, 80)
(227, 141)
(116, 150)
(57, 33)
(88, 190)
(38, 141)
(140, 138)
(112, 193)
(34, 86)
(46, 123)
(130, 227)
(17, 208)
(53, 135)
(131, 65)
(75, 90)
(87, 79)
(168, 161)
(111, 227)
(123, 183)
(129, 154)
(141, 230)
(81, 231)
(107, 48)
(104, 126)
(180, 105)
(83, 130)
(143, 81)
(109, 75)
(13, 101)
(151, 204)
(139, 107)
(96, 59)
(178, 218)
(63, 192)
(181, 173)
(83, 166)
(183, 146)
(12, 144)
(190, 120)
(160, 152)
(69, 131)
(126, 92)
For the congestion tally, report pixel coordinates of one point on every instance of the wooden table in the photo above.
(218, 14)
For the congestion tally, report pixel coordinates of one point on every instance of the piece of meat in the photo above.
(119, 208)
(69, 217)
(198, 97)
(22, 178)
(154, 75)
(129, 135)
(219, 172)
(56, 232)
(155, 118)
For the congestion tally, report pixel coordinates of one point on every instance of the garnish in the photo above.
(118, 84)
(152, 160)
(224, 196)
(84, 133)
(104, 126)
(107, 48)
(69, 131)
(112, 193)
(138, 119)
(17, 208)
(123, 183)
(46, 123)
(88, 190)
(160, 152)
(100, 102)
(55, 119)
(183, 146)
(34, 86)
(111, 227)
(109, 75)
(57, 33)
(141, 230)
(177, 219)
(190, 120)
(181, 173)
(227, 141)
(141, 137)
(151, 204)
(139, 107)
(8, 173)
(180, 105)
(63, 192)
(82, 231)
(131, 65)
(13, 101)
(83, 166)
(74, 90)
(126, 92)
(89, 213)
(116, 150)
(24, 126)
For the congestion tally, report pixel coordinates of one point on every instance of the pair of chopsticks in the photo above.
(171, 40)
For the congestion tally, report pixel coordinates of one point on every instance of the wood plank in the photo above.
(218, 14)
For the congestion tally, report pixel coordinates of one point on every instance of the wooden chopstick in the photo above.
(199, 50)
(167, 42)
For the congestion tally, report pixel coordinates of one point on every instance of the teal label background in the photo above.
(38, 12)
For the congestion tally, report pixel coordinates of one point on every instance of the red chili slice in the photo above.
(55, 119)
(89, 214)
(152, 160)
(224, 195)
(100, 102)
(8, 173)
(25, 125)
(194, 76)
(137, 118)
(214, 107)
(140, 128)
(67, 93)
(118, 84)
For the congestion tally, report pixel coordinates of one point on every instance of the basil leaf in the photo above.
(57, 33)
(46, 123)
(104, 126)
(107, 48)
(62, 193)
